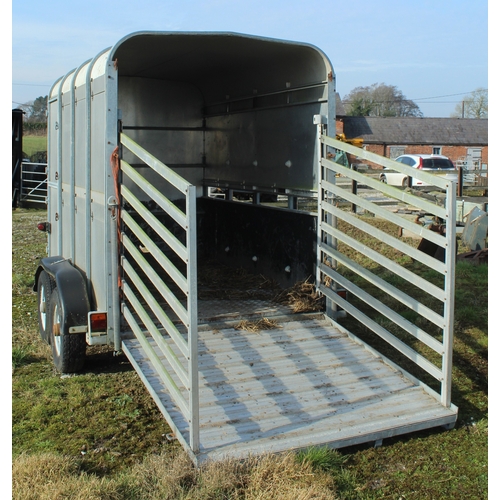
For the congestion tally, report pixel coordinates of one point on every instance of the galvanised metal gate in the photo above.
(159, 284)
(406, 332)
(34, 183)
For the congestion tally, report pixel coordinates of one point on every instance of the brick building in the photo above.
(464, 141)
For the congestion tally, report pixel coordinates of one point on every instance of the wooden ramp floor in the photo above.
(305, 383)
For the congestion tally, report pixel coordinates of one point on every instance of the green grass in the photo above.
(33, 144)
(98, 434)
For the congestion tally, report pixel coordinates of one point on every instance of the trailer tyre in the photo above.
(68, 349)
(46, 285)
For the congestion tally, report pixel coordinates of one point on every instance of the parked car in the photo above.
(438, 164)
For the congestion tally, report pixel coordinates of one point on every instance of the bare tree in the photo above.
(379, 99)
(474, 105)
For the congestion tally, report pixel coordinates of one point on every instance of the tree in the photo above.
(475, 105)
(379, 99)
(36, 111)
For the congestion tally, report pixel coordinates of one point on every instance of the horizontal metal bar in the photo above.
(209, 114)
(180, 129)
(410, 353)
(32, 163)
(382, 236)
(382, 308)
(167, 351)
(178, 215)
(166, 293)
(417, 229)
(386, 162)
(387, 263)
(41, 178)
(391, 290)
(32, 199)
(172, 177)
(160, 257)
(391, 191)
(154, 223)
(321, 84)
(162, 373)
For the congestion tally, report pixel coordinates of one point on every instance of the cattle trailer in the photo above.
(173, 153)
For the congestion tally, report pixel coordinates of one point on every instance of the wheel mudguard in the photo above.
(72, 290)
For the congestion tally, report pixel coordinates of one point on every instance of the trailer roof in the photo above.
(209, 59)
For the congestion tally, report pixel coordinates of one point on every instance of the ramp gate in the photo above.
(159, 271)
(159, 288)
(336, 245)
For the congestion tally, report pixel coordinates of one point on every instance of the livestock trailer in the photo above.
(177, 160)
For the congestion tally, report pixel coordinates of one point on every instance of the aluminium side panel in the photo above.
(52, 154)
(79, 157)
(65, 168)
(82, 136)
(99, 246)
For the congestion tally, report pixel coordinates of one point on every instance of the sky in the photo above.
(434, 51)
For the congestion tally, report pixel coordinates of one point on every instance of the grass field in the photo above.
(34, 143)
(98, 434)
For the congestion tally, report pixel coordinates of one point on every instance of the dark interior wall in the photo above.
(233, 233)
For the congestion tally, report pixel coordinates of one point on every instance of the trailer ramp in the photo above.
(229, 392)
(304, 383)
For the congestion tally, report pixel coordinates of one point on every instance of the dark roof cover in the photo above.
(442, 131)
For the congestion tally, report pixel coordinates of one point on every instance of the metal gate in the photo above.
(159, 282)
(422, 332)
(34, 183)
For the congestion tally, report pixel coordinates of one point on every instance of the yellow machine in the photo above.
(358, 142)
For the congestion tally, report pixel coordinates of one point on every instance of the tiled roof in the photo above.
(442, 131)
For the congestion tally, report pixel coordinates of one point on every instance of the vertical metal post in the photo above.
(111, 229)
(460, 186)
(115, 293)
(449, 285)
(319, 176)
(88, 186)
(192, 306)
(354, 190)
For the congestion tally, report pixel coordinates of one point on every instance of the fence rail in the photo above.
(417, 322)
(33, 183)
(159, 277)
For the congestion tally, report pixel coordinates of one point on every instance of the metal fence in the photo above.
(33, 183)
(159, 278)
(416, 324)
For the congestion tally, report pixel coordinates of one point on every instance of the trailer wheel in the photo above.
(46, 285)
(68, 349)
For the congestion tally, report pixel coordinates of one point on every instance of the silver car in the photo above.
(438, 164)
